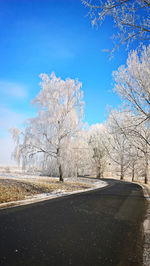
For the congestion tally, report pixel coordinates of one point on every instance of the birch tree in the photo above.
(119, 146)
(81, 154)
(132, 83)
(97, 137)
(59, 115)
(137, 135)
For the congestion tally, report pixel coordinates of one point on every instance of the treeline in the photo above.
(57, 142)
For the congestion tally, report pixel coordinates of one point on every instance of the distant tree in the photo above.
(141, 141)
(137, 137)
(60, 109)
(97, 137)
(119, 148)
(131, 17)
(81, 154)
(132, 83)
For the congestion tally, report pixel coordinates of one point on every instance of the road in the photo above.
(101, 227)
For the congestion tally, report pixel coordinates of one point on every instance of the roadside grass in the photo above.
(15, 189)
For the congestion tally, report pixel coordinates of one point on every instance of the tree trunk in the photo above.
(146, 170)
(133, 172)
(59, 166)
(146, 179)
(122, 173)
(77, 171)
(122, 176)
(122, 167)
(60, 174)
(99, 172)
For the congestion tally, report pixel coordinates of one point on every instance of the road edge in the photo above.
(13, 204)
(146, 226)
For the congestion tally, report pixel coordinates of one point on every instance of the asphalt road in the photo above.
(101, 227)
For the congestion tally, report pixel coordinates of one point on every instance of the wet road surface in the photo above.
(100, 227)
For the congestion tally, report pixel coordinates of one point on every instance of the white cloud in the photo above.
(12, 89)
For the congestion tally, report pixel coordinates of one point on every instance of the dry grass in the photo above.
(13, 190)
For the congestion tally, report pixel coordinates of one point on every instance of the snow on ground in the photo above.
(94, 184)
(21, 176)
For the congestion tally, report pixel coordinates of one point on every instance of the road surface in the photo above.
(100, 227)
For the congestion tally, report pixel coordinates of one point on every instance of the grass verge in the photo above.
(13, 190)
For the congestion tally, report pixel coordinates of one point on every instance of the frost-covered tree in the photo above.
(137, 137)
(132, 83)
(59, 114)
(141, 142)
(130, 17)
(119, 148)
(97, 143)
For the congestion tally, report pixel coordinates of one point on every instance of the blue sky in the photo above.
(41, 36)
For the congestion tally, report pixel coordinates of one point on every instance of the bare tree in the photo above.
(97, 136)
(81, 154)
(60, 110)
(137, 135)
(131, 17)
(132, 83)
(119, 148)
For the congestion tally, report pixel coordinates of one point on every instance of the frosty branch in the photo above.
(130, 17)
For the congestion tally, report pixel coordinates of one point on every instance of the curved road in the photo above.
(100, 227)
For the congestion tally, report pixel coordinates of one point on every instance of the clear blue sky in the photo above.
(41, 36)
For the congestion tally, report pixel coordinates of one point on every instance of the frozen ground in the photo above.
(92, 182)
